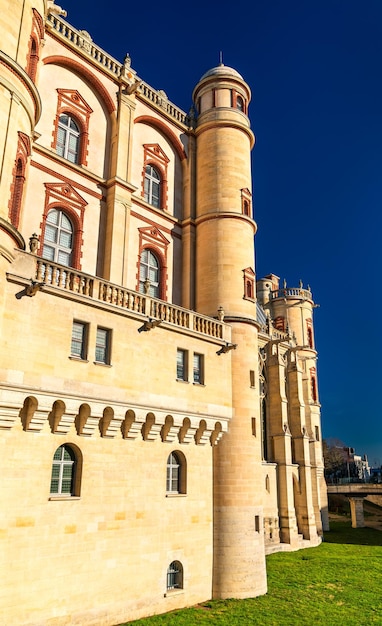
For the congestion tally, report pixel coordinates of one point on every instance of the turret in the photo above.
(225, 280)
(224, 224)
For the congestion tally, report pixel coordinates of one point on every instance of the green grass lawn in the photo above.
(335, 584)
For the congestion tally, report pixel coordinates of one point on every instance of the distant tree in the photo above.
(334, 459)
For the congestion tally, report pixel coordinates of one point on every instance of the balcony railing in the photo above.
(292, 292)
(68, 279)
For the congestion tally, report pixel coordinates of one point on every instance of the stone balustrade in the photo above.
(71, 280)
(81, 41)
(292, 292)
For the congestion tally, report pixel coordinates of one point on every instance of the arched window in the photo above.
(175, 576)
(176, 476)
(313, 387)
(240, 103)
(64, 467)
(58, 238)
(68, 138)
(149, 274)
(17, 193)
(33, 58)
(173, 474)
(152, 186)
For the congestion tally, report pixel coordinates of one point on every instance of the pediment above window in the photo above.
(63, 192)
(73, 98)
(155, 152)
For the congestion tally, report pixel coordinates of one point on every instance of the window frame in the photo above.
(198, 368)
(154, 287)
(174, 575)
(83, 342)
(106, 347)
(68, 134)
(60, 230)
(149, 181)
(75, 475)
(176, 474)
(182, 364)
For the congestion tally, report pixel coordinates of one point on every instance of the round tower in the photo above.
(23, 28)
(225, 277)
(224, 224)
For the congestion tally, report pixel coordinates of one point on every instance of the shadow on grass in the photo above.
(342, 532)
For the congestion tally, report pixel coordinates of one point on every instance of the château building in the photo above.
(159, 411)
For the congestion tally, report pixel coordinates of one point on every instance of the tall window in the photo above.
(58, 237)
(79, 340)
(68, 138)
(173, 474)
(175, 576)
(152, 186)
(33, 58)
(102, 352)
(181, 364)
(149, 274)
(198, 373)
(17, 193)
(63, 471)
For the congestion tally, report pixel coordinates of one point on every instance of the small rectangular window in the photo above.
(103, 342)
(181, 364)
(198, 373)
(79, 340)
(252, 378)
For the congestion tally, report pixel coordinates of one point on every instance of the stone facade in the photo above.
(159, 410)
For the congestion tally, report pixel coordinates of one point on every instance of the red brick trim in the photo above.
(246, 202)
(313, 384)
(165, 130)
(280, 323)
(309, 332)
(18, 179)
(34, 45)
(69, 181)
(234, 99)
(64, 197)
(249, 284)
(94, 82)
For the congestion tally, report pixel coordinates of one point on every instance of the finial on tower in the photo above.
(221, 58)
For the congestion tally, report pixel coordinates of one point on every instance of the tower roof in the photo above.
(222, 70)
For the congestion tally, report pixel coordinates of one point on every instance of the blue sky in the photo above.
(314, 67)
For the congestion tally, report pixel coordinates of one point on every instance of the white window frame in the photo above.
(173, 473)
(103, 345)
(79, 340)
(152, 186)
(198, 368)
(60, 229)
(63, 464)
(68, 138)
(174, 579)
(149, 270)
(182, 364)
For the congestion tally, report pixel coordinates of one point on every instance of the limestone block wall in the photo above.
(101, 558)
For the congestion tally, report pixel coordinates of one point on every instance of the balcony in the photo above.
(68, 282)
